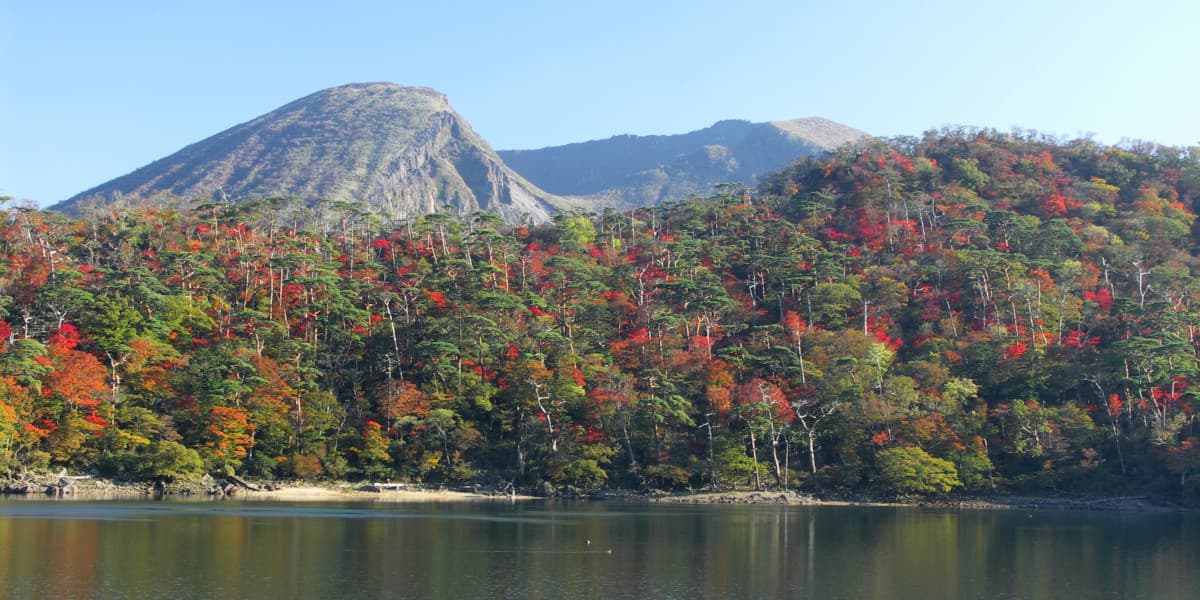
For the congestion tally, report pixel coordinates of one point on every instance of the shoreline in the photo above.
(791, 498)
(87, 488)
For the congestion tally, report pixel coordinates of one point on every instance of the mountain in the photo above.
(402, 150)
(628, 170)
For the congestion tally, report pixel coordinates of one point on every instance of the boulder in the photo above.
(545, 490)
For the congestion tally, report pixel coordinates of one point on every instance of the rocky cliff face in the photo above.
(401, 150)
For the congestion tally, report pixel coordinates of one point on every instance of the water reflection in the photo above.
(257, 550)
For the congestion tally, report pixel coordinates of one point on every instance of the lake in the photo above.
(232, 549)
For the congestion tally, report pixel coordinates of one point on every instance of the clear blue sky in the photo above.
(92, 90)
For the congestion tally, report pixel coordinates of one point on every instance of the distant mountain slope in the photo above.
(402, 150)
(629, 170)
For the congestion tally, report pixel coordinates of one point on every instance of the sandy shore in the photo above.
(340, 493)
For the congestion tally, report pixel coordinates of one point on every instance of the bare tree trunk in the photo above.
(787, 457)
(754, 454)
(633, 465)
(779, 473)
(812, 459)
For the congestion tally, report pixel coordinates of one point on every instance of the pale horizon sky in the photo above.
(90, 91)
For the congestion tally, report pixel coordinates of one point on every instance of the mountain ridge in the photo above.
(402, 150)
(631, 170)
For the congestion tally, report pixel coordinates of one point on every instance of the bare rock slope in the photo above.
(402, 150)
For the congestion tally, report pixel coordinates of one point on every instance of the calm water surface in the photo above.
(221, 549)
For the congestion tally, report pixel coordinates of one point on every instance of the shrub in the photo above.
(172, 460)
(667, 477)
(584, 473)
(733, 466)
(302, 466)
(912, 470)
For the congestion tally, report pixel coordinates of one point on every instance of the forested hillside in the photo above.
(971, 311)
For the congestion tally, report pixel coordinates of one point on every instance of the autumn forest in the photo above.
(968, 312)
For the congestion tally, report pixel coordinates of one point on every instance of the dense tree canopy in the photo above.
(969, 310)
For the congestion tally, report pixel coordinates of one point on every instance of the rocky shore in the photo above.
(65, 486)
(1125, 503)
(84, 488)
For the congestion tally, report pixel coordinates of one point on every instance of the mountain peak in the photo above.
(382, 89)
(401, 150)
(817, 130)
